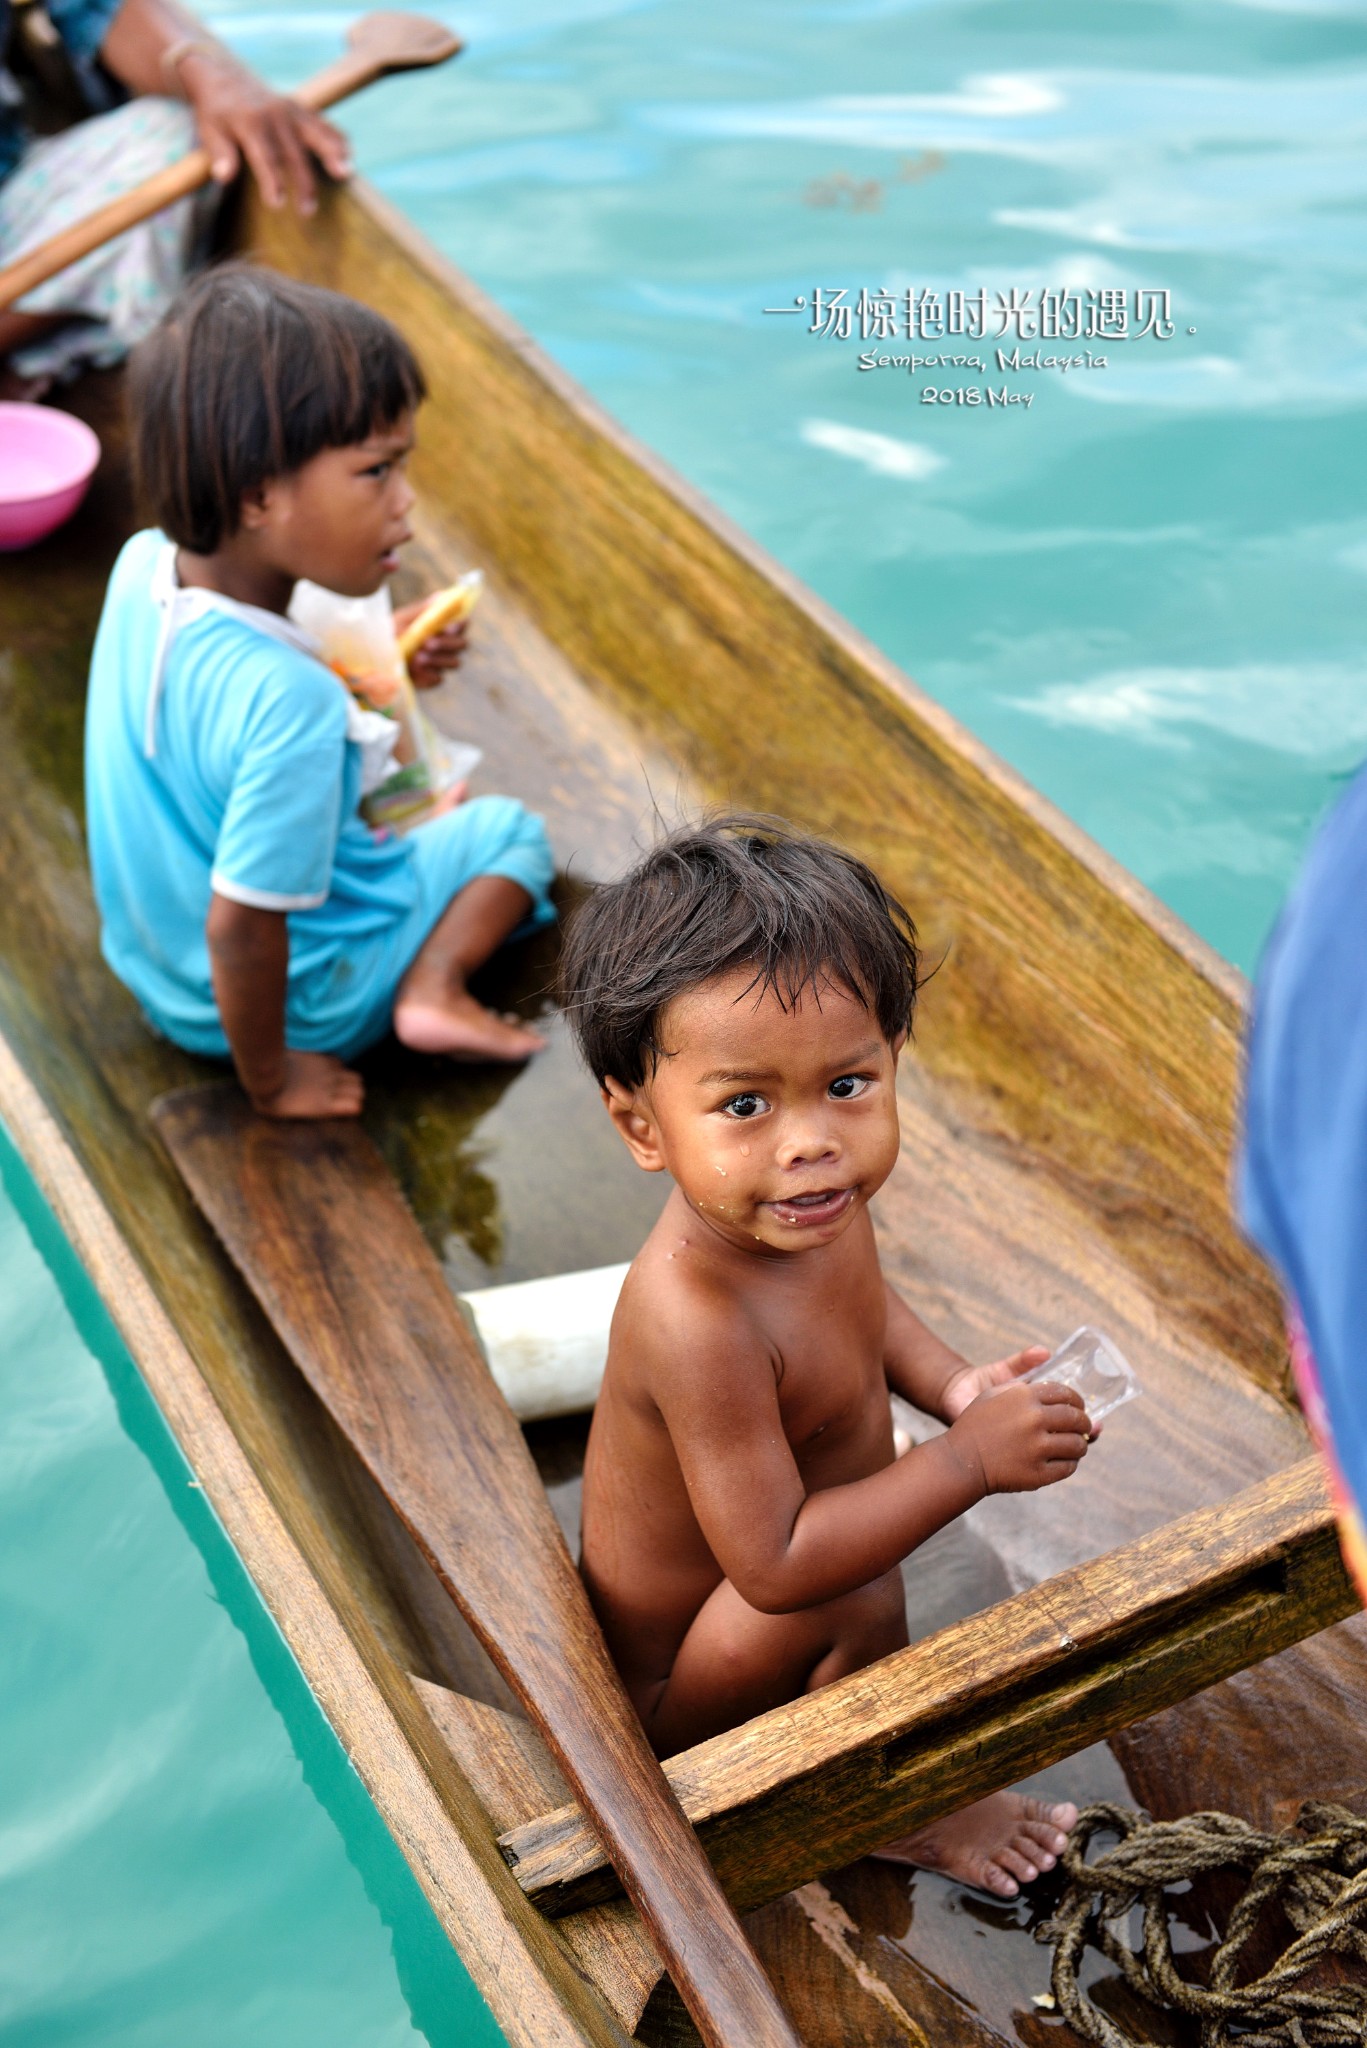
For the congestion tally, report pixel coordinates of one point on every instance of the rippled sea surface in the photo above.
(1146, 590)
(187, 1860)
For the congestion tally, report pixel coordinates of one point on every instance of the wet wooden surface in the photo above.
(78, 1038)
(516, 1777)
(992, 1252)
(1067, 1114)
(827, 1778)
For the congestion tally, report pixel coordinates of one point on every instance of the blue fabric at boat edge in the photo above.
(1304, 1167)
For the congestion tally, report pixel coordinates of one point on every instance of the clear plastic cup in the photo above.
(1091, 1365)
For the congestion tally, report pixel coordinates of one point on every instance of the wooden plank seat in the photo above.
(811, 1786)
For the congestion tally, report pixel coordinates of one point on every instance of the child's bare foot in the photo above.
(998, 1844)
(453, 1023)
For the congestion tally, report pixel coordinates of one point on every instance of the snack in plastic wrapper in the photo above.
(357, 639)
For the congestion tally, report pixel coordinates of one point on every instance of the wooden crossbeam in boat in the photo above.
(815, 1784)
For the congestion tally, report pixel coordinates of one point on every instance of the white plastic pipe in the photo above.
(547, 1340)
(547, 1343)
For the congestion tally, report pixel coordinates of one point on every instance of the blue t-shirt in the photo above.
(241, 781)
(1304, 1169)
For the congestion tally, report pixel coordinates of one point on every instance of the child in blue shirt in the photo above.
(243, 899)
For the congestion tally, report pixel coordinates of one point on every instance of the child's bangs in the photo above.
(805, 925)
(248, 377)
(734, 893)
(791, 978)
(364, 380)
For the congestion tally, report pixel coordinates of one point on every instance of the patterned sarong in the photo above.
(116, 294)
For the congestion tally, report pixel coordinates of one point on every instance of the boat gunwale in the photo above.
(402, 1776)
(956, 738)
(1083, 1028)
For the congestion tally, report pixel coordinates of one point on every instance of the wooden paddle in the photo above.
(315, 1222)
(376, 45)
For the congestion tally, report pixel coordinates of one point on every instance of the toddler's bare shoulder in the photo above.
(674, 1304)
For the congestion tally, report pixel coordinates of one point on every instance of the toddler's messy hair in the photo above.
(732, 891)
(248, 377)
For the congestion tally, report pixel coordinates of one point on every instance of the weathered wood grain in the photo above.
(332, 1563)
(835, 1988)
(817, 1783)
(515, 1776)
(1293, 1728)
(79, 1035)
(312, 1218)
(836, 1983)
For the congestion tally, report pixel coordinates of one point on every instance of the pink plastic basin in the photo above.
(47, 459)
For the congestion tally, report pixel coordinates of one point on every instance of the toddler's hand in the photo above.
(442, 652)
(315, 1085)
(1024, 1437)
(966, 1386)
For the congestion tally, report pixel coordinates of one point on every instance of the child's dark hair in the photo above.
(248, 377)
(732, 891)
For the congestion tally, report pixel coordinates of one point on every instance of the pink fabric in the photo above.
(1352, 1534)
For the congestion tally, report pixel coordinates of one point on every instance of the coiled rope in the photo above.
(1316, 1874)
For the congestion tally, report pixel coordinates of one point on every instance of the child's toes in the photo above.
(1049, 1826)
(1019, 1860)
(1045, 1844)
(992, 1875)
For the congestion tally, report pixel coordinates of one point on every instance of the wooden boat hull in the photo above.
(1067, 1117)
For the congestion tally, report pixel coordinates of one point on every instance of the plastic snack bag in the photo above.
(1091, 1365)
(357, 640)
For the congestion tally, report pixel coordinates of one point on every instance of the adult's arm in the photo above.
(238, 116)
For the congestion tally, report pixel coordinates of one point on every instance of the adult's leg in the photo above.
(104, 303)
(434, 1010)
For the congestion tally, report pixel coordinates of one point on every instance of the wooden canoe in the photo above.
(1067, 1118)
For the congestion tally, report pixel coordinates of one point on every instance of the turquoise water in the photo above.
(1147, 589)
(187, 1860)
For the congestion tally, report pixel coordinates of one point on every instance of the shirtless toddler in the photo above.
(742, 998)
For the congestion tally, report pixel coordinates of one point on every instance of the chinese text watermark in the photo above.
(1102, 313)
(1096, 317)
